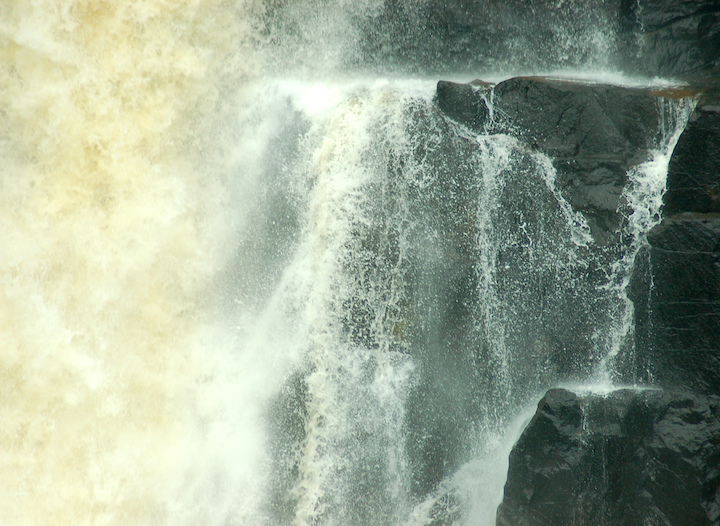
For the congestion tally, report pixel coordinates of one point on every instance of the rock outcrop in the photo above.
(633, 456)
(594, 133)
(645, 457)
(625, 458)
(676, 287)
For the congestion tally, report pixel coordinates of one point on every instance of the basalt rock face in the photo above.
(632, 457)
(677, 38)
(626, 458)
(694, 171)
(594, 133)
(644, 457)
(677, 332)
(676, 286)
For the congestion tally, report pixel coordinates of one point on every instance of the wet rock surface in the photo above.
(630, 457)
(677, 327)
(676, 287)
(694, 170)
(464, 103)
(677, 38)
(626, 458)
(644, 457)
(594, 133)
(648, 37)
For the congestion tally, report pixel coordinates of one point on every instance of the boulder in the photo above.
(579, 121)
(626, 458)
(594, 133)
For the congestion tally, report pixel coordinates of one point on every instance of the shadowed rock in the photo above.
(594, 133)
(627, 458)
(677, 331)
(677, 38)
(694, 171)
(463, 103)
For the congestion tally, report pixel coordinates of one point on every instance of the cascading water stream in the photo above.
(233, 298)
(643, 197)
(438, 271)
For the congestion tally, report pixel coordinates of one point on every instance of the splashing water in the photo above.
(115, 212)
(643, 196)
(232, 298)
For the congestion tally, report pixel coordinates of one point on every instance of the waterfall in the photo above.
(251, 274)
(119, 203)
(440, 283)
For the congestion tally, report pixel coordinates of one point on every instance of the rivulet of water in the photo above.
(642, 200)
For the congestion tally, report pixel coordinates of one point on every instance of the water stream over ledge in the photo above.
(251, 273)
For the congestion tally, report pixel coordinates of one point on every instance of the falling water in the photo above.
(248, 280)
(642, 202)
(118, 206)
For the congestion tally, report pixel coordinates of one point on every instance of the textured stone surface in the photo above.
(581, 121)
(678, 38)
(648, 37)
(677, 326)
(694, 172)
(481, 35)
(676, 286)
(626, 458)
(463, 103)
(594, 133)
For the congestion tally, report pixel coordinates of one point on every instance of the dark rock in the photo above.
(580, 121)
(678, 38)
(694, 171)
(647, 37)
(676, 282)
(677, 330)
(626, 458)
(463, 103)
(442, 37)
(594, 133)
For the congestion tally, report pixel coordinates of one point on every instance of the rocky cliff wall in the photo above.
(631, 456)
(645, 457)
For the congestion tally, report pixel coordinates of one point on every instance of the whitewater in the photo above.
(249, 274)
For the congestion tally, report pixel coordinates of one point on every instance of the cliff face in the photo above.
(632, 456)
(640, 37)
(676, 294)
(676, 287)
